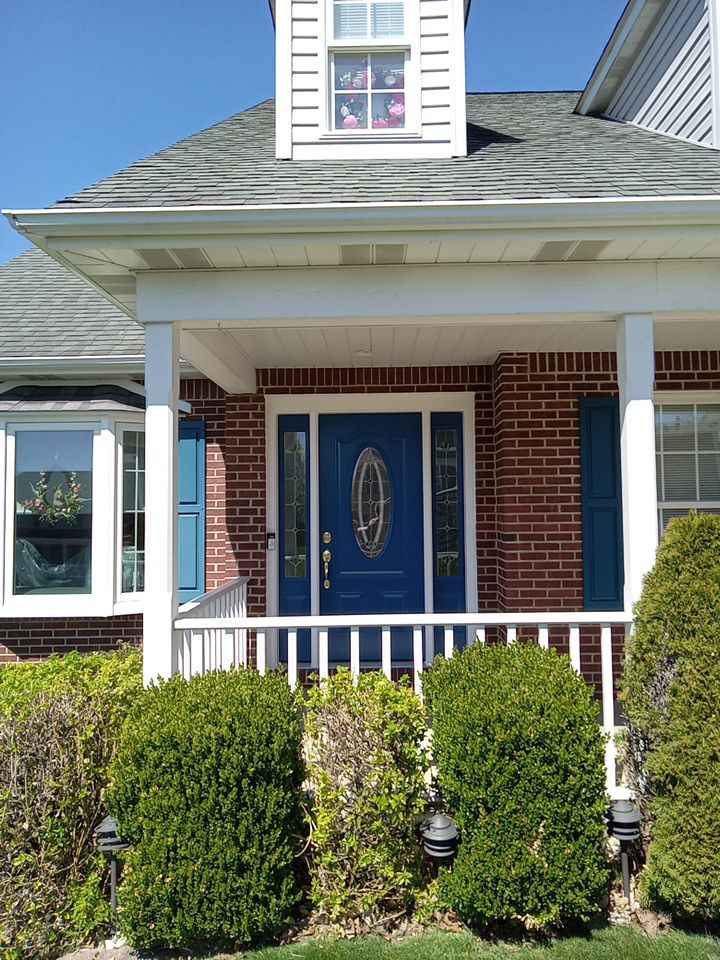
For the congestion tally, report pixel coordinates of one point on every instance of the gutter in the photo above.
(128, 223)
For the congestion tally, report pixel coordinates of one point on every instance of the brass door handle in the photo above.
(327, 557)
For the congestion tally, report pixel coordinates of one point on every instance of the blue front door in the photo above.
(371, 523)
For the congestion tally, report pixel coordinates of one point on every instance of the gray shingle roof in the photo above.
(46, 311)
(522, 146)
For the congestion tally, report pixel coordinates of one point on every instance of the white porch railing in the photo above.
(207, 640)
(214, 645)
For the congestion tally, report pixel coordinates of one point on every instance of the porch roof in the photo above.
(521, 146)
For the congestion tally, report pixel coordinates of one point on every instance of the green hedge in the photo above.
(520, 764)
(365, 770)
(59, 721)
(206, 787)
(671, 694)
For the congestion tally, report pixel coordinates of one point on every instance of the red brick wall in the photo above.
(529, 537)
(27, 639)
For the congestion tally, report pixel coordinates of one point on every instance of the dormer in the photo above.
(370, 79)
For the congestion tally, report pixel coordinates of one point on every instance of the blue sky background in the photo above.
(89, 86)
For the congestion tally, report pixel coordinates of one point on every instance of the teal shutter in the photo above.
(191, 510)
(603, 572)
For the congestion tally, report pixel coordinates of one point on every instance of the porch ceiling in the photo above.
(232, 355)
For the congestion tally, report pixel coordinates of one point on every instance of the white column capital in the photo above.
(636, 378)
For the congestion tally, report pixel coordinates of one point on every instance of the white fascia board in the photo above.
(81, 368)
(130, 225)
(626, 40)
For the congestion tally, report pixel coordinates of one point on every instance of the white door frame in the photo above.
(425, 404)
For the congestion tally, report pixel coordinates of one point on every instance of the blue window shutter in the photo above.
(191, 510)
(603, 572)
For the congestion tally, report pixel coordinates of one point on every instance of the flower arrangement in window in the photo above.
(369, 88)
(64, 505)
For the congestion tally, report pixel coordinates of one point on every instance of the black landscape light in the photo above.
(624, 825)
(110, 842)
(440, 838)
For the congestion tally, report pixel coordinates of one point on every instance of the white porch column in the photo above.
(162, 383)
(636, 377)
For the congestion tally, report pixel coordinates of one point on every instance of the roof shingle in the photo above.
(46, 311)
(521, 146)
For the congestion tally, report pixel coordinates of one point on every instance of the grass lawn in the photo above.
(617, 943)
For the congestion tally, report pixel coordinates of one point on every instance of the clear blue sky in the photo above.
(89, 86)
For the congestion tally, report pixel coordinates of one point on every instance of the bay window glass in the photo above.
(53, 512)
(133, 511)
(687, 439)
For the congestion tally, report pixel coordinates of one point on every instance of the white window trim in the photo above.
(126, 602)
(409, 44)
(105, 599)
(424, 403)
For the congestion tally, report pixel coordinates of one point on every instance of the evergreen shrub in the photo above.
(365, 772)
(671, 694)
(59, 723)
(206, 787)
(520, 762)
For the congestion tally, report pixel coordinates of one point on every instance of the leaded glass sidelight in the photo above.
(295, 504)
(372, 502)
(447, 506)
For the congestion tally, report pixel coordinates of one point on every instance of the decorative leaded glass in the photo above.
(371, 502)
(133, 516)
(295, 504)
(447, 524)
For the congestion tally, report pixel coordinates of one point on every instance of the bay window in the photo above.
(74, 509)
(369, 65)
(687, 439)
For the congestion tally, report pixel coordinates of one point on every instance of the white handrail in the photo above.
(415, 620)
(186, 609)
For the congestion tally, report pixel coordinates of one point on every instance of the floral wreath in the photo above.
(64, 505)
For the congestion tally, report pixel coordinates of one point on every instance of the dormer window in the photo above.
(369, 57)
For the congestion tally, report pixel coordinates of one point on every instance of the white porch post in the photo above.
(162, 382)
(636, 376)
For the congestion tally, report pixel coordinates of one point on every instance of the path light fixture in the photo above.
(110, 842)
(624, 825)
(440, 838)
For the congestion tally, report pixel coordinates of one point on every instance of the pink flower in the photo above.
(377, 124)
(396, 109)
(350, 122)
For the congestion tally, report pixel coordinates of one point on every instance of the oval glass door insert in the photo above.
(371, 502)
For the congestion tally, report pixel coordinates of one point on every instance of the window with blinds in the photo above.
(687, 440)
(368, 20)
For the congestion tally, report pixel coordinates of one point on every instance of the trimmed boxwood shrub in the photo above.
(59, 722)
(206, 788)
(365, 771)
(520, 764)
(671, 694)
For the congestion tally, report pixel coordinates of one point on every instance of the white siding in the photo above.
(439, 53)
(669, 88)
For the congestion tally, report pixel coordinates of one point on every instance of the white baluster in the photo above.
(355, 652)
(197, 664)
(608, 704)
(228, 650)
(292, 648)
(323, 654)
(480, 635)
(511, 635)
(418, 659)
(261, 652)
(575, 646)
(387, 652)
(449, 642)
(543, 636)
